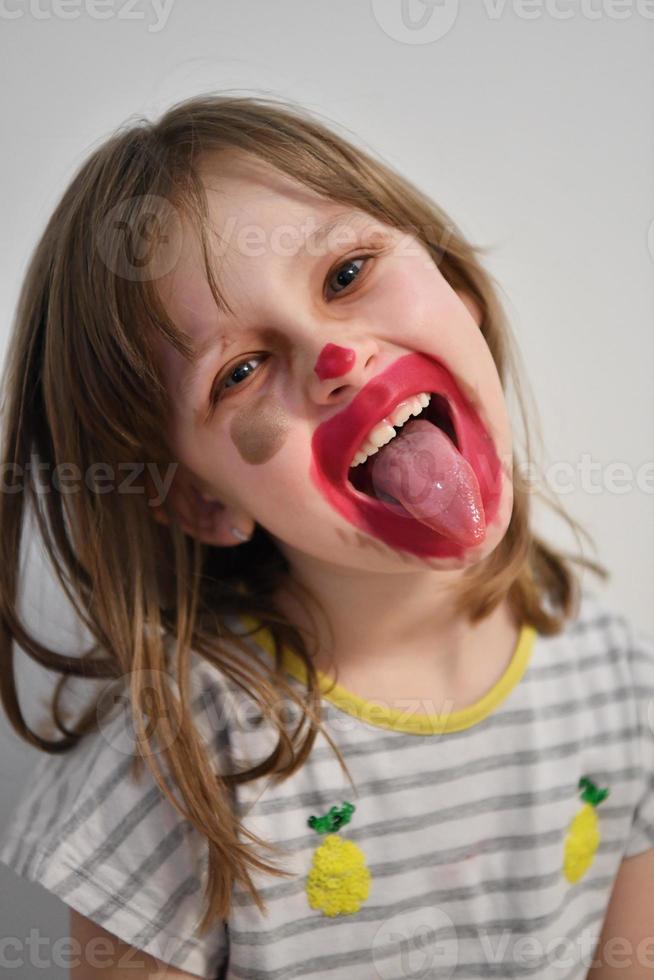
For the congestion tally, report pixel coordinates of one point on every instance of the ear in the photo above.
(471, 305)
(199, 514)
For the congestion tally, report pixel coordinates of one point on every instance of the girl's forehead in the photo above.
(252, 224)
(256, 217)
(255, 209)
(243, 188)
(241, 247)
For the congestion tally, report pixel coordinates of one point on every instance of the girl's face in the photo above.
(331, 328)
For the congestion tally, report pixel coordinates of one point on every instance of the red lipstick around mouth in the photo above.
(336, 442)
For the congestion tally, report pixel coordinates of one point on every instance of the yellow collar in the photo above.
(406, 720)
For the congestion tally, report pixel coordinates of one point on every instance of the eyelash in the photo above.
(219, 383)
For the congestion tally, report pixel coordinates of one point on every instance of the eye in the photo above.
(344, 274)
(221, 383)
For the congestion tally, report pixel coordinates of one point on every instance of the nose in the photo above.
(334, 361)
(339, 372)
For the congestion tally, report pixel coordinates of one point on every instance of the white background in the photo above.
(532, 126)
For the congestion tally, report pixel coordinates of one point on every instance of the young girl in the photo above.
(342, 712)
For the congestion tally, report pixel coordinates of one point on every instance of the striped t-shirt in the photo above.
(458, 854)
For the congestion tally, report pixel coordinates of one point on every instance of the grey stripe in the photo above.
(62, 793)
(611, 657)
(641, 645)
(432, 859)
(50, 778)
(323, 964)
(596, 621)
(89, 807)
(561, 709)
(512, 718)
(137, 880)
(286, 889)
(501, 719)
(490, 886)
(644, 826)
(393, 740)
(29, 818)
(78, 778)
(187, 887)
(218, 958)
(121, 831)
(485, 968)
(440, 777)
(492, 804)
(96, 799)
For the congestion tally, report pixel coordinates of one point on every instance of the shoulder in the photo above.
(624, 652)
(597, 673)
(107, 841)
(603, 626)
(601, 638)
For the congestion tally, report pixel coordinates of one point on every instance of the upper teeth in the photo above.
(383, 432)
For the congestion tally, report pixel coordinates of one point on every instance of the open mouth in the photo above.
(437, 412)
(442, 525)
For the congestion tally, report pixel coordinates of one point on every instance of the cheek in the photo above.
(259, 430)
(416, 302)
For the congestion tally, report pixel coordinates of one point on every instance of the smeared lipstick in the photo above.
(336, 441)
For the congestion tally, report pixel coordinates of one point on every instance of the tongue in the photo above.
(423, 470)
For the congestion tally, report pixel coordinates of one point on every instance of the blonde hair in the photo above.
(84, 317)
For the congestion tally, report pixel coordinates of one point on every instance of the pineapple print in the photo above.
(583, 836)
(338, 882)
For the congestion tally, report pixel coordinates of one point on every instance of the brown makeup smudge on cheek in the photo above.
(259, 430)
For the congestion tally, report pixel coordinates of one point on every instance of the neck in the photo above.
(374, 618)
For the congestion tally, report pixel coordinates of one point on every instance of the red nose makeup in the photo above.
(333, 361)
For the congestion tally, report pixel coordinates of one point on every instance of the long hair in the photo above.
(82, 385)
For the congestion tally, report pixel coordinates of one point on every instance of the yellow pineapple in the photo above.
(583, 835)
(338, 882)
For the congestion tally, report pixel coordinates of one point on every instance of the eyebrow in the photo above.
(314, 240)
